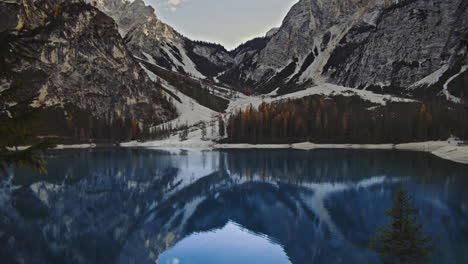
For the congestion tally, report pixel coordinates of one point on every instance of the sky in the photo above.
(227, 22)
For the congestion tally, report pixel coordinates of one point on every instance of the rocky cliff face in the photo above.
(81, 60)
(401, 45)
(296, 43)
(149, 38)
(408, 47)
(404, 47)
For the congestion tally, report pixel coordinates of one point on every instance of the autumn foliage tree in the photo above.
(57, 10)
(346, 120)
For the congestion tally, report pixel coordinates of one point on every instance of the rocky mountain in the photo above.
(81, 62)
(293, 47)
(427, 41)
(410, 47)
(149, 38)
(87, 54)
(404, 47)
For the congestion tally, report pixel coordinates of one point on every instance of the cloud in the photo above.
(175, 261)
(172, 5)
(174, 2)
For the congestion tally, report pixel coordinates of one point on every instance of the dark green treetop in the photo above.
(401, 240)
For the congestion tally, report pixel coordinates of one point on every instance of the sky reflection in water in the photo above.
(240, 206)
(230, 245)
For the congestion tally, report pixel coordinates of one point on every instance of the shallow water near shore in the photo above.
(137, 205)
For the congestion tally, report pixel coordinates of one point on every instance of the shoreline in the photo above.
(442, 149)
(76, 146)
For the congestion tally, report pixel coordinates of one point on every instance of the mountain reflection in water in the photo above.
(145, 206)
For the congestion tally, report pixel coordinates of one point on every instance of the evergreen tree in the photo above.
(221, 126)
(213, 125)
(183, 134)
(402, 241)
(203, 130)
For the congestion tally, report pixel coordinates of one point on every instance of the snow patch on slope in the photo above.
(431, 78)
(190, 112)
(446, 92)
(325, 89)
(187, 64)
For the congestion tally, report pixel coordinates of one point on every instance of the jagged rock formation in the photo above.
(82, 61)
(380, 45)
(401, 44)
(409, 47)
(294, 47)
(149, 38)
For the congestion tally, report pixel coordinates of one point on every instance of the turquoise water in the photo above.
(232, 206)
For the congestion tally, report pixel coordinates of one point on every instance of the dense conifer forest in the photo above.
(342, 119)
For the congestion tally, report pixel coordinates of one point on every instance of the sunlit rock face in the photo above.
(125, 13)
(82, 61)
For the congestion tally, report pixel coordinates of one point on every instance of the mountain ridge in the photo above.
(312, 44)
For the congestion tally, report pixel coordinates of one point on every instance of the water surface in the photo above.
(232, 206)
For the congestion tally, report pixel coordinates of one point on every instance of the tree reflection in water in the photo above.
(132, 205)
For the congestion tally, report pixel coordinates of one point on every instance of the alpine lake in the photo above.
(136, 205)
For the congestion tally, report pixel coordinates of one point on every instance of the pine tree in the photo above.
(183, 134)
(221, 126)
(203, 130)
(402, 241)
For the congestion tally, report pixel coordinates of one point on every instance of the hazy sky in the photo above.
(228, 22)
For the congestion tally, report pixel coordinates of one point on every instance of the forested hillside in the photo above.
(342, 119)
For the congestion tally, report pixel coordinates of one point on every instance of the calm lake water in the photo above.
(230, 206)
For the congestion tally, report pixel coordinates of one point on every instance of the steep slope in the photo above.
(149, 38)
(410, 47)
(403, 44)
(295, 44)
(82, 63)
(398, 47)
(243, 56)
